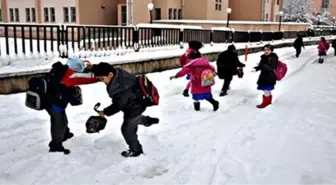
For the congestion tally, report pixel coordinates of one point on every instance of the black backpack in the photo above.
(95, 123)
(38, 92)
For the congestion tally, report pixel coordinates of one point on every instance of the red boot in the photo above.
(267, 100)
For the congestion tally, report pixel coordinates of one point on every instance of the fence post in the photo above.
(62, 48)
(249, 36)
(272, 36)
(135, 37)
(211, 37)
(283, 35)
(181, 35)
(261, 36)
(233, 34)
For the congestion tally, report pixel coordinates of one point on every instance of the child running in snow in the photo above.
(322, 49)
(267, 77)
(193, 47)
(199, 89)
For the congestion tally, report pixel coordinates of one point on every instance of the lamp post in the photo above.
(280, 19)
(150, 7)
(228, 10)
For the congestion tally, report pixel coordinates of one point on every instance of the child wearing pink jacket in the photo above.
(199, 91)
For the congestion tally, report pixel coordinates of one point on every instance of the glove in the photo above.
(171, 77)
(253, 70)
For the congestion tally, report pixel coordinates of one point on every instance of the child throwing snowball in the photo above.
(202, 78)
(193, 47)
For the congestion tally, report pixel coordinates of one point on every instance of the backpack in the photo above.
(207, 77)
(280, 70)
(149, 92)
(37, 93)
(95, 123)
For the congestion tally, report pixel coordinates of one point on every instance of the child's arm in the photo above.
(78, 79)
(182, 72)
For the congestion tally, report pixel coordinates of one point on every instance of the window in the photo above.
(170, 13)
(180, 14)
(14, 15)
(28, 19)
(33, 15)
(52, 15)
(11, 15)
(73, 15)
(65, 14)
(325, 4)
(218, 5)
(46, 14)
(278, 2)
(1, 15)
(17, 15)
(157, 13)
(175, 14)
(266, 17)
(123, 15)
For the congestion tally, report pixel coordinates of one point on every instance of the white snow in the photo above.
(290, 142)
(224, 22)
(122, 55)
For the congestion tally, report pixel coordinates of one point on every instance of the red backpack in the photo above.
(150, 93)
(280, 70)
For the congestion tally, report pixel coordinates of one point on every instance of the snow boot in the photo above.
(59, 149)
(321, 61)
(131, 153)
(223, 93)
(214, 103)
(150, 121)
(186, 93)
(197, 106)
(267, 100)
(68, 135)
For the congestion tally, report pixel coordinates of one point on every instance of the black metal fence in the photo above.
(38, 38)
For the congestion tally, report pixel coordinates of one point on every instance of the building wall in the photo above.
(58, 5)
(246, 10)
(98, 12)
(195, 9)
(21, 5)
(213, 14)
(316, 6)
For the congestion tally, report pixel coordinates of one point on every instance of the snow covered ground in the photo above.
(37, 63)
(290, 142)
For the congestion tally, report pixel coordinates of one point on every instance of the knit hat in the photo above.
(76, 64)
(102, 69)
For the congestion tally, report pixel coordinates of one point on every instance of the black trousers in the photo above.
(129, 130)
(59, 127)
(298, 51)
(227, 82)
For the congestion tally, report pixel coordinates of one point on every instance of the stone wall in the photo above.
(16, 83)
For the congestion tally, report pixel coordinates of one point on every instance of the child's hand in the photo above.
(253, 70)
(172, 77)
(101, 113)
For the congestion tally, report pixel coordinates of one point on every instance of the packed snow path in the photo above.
(290, 142)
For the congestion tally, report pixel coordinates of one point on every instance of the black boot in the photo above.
(131, 153)
(186, 93)
(150, 121)
(214, 103)
(197, 106)
(223, 93)
(58, 148)
(68, 135)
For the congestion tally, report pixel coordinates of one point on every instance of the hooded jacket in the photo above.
(125, 94)
(228, 62)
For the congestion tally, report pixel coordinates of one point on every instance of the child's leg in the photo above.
(267, 93)
(197, 105)
(188, 85)
(129, 130)
(214, 102)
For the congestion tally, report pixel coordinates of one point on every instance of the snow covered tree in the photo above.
(296, 10)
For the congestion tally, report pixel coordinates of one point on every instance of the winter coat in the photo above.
(298, 43)
(227, 64)
(323, 46)
(126, 95)
(184, 59)
(62, 83)
(195, 68)
(267, 65)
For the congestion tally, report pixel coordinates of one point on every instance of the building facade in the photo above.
(126, 12)
(256, 10)
(324, 6)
